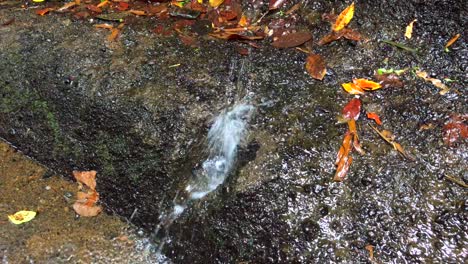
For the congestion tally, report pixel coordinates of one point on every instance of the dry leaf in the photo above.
(316, 66)
(22, 217)
(389, 80)
(275, 4)
(343, 160)
(215, 3)
(292, 40)
(105, 25)
(352, 88)
(390, 138)
(370, 248)
(67, 6)
(94, 8)
(452, 40)
(44, 11)
(352, 109)
(88, 178)
(137, 12)
(409, 29)
(367, 84)
(85, 210)
(344, 18)
(436, 82)
(375, 117)
(103, 3)
(454, 129)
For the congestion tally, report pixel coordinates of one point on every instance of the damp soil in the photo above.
(137, 110)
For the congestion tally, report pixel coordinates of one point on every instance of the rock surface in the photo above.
(71, 100)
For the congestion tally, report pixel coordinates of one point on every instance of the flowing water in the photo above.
(224, 137)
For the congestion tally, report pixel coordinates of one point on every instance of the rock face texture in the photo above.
(72, 100)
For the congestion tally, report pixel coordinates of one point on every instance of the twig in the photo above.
(456, 180)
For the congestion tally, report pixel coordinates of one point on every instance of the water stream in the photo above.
(228, 131)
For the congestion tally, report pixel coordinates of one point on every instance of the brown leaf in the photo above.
(94, 8)
(350, 34)
(332, 36)
(316, 66)
(454, 129)
(88, 178)
(85, 210)
(436, 82)
(389, 80)
(44, 11)
(292, 40)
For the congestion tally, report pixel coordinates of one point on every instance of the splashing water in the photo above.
(224, 137)
(227, 132)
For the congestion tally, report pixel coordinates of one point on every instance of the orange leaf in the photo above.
(344, 18)
(86, 177)
(436, 82)
(123, 6)
(67, 6)
(243, 22)
(137, 12)
(103, 3)
(342, 168)
(44, 11)
(105, 25)
(94, 8)
(375, 117)
(114, 34)
(352, 88)
(85, 210)
(366, 84)
(452, 40)
(316, 66)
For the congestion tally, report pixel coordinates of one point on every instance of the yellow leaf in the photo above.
(344, 18)
(409, 29)
(436, 82)
(216, 3)
(200, 1)
(22, 217)
(352, 88)
(38, 1)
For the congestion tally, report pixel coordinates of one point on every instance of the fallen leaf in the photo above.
(370, 248)
(375, 117)
(344, 18)
(367, 84)
(390, 138)
(436, 82)
(88, 178)
(343, 160)
(452, 40)
(103, 3)
(215, 3)
(123, 6)
(44, 11)
(454, 129)
(316, 66)
(389, 80)
(67, 6)
(292, 40)
(351, 34)
(275, 4)
(352, 88)
(243, 21)
(85, 210)
(426, 126)
(94, 8)
(137, 12)
(353, 130)
(114, 34)
(105, 25)
(352, 109)
(409, 29)
(22, 217)
(346, 33)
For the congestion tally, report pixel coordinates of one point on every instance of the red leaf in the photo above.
(123, 6)
(352, 109)
(375, 117)
(275, 4)
(454, 129)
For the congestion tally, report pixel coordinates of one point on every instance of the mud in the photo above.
(71, 100)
